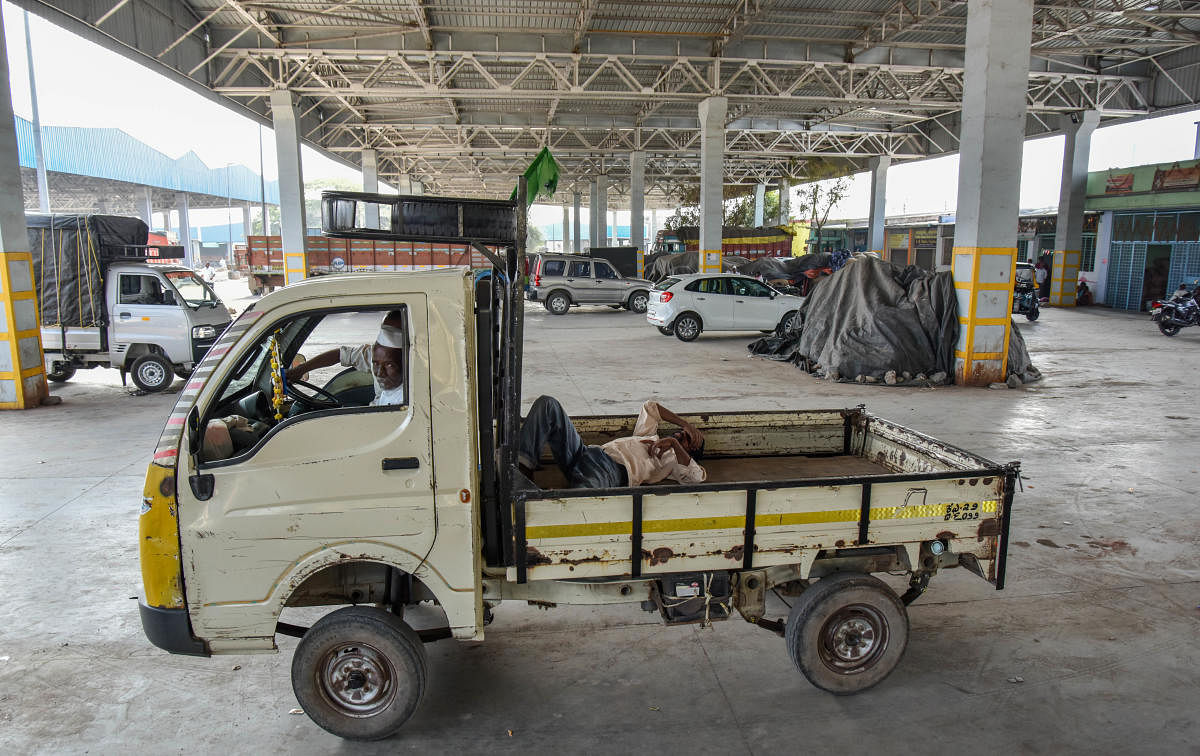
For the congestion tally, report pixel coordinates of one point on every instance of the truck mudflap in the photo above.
(170, 630)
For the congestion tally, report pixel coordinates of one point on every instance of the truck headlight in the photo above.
(202, 332)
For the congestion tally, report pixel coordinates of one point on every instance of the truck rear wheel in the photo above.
(847, 632)
(60, 372)
(151, 372)
(360, 673)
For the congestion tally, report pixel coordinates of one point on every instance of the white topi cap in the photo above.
(390, 336)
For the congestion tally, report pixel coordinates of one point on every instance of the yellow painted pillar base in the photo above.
(295, 267)
(22, 362)
(983, 281)
(1064, 275)
(710, 261)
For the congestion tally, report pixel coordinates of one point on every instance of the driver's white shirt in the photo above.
(359, 358)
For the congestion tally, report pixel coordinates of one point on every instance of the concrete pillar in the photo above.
(785, 201)
(185, 228)
(593, 205)
(166, 221)
(1068, 234)
(712, 182)
(578, 246)
(600, 212)
(247, 229)
(22, 363)
(147, 204)
(566, 227)
(294, 228)
(637, 206)
(415, 186)
(1103, 245)
(760, 205)
(989, 184)
(43, 182)
(876, 241)
(610, 229)
(370, 175)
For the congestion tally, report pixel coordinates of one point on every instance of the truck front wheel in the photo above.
(360, 673)
(151, 372)
(847, 632)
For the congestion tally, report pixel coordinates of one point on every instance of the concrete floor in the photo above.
(1100, 618)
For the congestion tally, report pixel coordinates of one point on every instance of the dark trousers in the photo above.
(584, 466)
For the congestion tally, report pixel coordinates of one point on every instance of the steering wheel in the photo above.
(319, 399)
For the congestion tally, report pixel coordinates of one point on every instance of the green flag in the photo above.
(541, 177)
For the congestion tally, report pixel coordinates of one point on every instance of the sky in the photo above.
(94, 87)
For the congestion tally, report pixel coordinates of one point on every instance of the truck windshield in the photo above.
(194, 291)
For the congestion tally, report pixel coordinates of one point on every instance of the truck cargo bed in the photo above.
(782, 488)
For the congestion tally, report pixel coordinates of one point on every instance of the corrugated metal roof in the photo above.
(113, 154)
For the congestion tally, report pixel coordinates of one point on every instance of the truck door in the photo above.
(144, 311)
(320, 482)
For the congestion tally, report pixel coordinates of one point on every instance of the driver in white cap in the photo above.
(384, 359)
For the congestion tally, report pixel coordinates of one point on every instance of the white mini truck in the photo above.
(333, 502)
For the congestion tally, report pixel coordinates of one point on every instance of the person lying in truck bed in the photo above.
(641, 459)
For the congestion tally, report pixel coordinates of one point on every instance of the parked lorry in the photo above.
(751, 243)
(263, 261)
(380, 508)
(105, 301)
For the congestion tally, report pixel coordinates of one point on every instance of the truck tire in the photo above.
(151, 372)
(687, 327)
(558, 303)
(847, 632)
(360, 673)
(60, 372)
(638, 301)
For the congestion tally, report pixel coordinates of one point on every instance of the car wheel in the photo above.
(785, 324)
(558, 303)
(60, 372)
(360, 673)
(184, 374)
(638, 301)
(151, 372)
(666, 330)
(687, 327)
(847, 632)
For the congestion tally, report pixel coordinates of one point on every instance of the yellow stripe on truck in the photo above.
(738, 522)
(158, 540)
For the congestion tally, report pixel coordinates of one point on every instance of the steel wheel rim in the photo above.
(558, 304)
(686, 328)
(853, 639)
(151, 373)
(357, 680)
(639, 303)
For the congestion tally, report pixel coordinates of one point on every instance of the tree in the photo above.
(740, 211)
(817, 199)
(534, 239)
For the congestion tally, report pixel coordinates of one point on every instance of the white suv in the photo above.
(687, 305)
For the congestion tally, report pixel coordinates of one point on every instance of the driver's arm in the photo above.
(324, 359)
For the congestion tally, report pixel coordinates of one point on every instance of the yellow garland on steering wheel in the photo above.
(276, 375)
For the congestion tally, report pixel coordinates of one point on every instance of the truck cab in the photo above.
(159, 321)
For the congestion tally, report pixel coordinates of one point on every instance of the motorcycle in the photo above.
(1025, 293)
(1176, 313)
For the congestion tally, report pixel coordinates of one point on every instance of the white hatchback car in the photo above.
(687, 305)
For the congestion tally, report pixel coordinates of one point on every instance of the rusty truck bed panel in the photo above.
(786, 485)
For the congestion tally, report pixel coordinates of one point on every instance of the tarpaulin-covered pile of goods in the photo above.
(662, 266)
(71, 254)
(873, 322)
